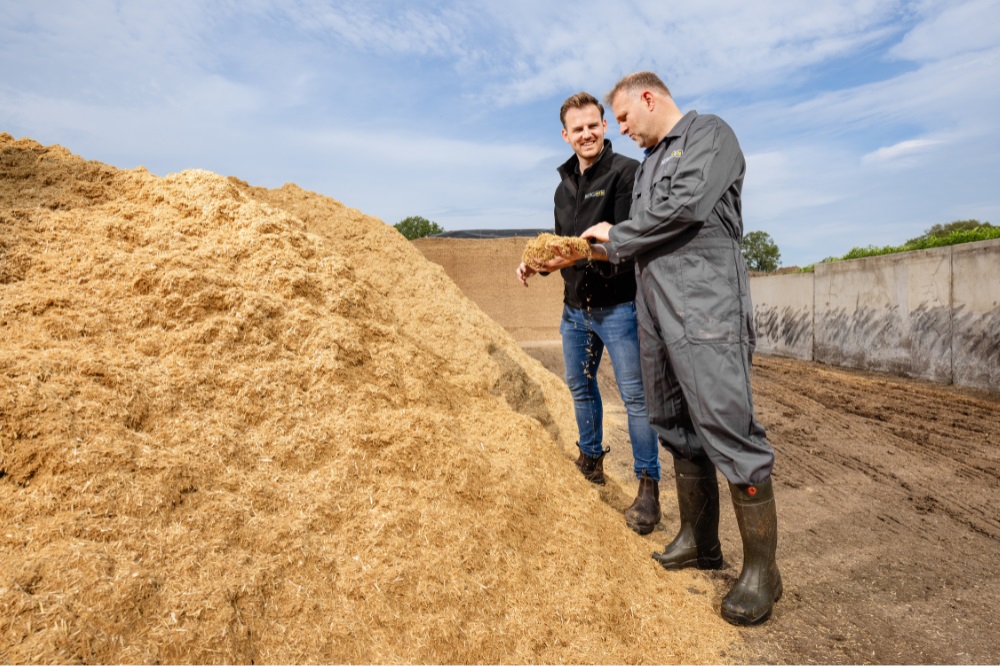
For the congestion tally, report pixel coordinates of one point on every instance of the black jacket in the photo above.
(603, 193)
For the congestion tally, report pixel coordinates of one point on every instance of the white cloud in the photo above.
(774, 185)
(696, 47)
(379, 28)
(950, 29)
(900, 151)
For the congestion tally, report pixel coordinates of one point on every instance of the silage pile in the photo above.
(242, 425)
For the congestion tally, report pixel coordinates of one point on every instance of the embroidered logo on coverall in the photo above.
(676, 153)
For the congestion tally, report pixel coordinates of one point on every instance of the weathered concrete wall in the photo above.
(975, 337)
(783, 314)
(932, 314)
(889, 313)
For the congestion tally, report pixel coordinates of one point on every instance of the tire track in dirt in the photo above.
(892, 419)
(888, 516)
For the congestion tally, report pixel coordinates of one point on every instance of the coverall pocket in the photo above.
(662, 177)
(711, 303)
(666, 168)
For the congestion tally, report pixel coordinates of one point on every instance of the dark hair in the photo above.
(579, 101)
(635, 82)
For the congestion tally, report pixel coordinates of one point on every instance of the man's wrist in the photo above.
(599, 252)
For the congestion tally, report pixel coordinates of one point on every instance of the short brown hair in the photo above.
(579, 101)
(635, 82)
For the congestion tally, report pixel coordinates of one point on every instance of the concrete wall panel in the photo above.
(890, 313)
(484, 270)
(976, 315)
(783, 314)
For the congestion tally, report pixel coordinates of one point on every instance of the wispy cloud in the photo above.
(699, 48)
(901, 150)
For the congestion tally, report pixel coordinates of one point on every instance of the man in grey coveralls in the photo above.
(696, 332)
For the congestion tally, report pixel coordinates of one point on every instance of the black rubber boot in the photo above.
(592, 468)
(759, 586)
(644, 513)
(697, 541)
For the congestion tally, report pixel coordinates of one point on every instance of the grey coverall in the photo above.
(693, 300)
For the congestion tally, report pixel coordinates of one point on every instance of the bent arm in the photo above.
(711, 163)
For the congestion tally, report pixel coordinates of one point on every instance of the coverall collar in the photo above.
(677, 130)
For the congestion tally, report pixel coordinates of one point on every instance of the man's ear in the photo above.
(649, 99)
(565, 136)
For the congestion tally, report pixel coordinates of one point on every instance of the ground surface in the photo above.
(889, 514)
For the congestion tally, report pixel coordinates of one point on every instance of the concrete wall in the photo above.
(889, 313)
(932, 314)
(975, 315)
(783, 314)
(484, 271)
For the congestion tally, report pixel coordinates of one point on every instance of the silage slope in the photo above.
(241, 424)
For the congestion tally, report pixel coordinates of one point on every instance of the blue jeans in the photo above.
(585, 334)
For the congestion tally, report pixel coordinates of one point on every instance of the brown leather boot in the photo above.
(644, 513)
(592, 468)
(759, 586)
(697, 541)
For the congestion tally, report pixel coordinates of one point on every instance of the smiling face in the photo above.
(584, 131)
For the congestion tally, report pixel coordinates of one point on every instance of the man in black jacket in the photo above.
(599, 308)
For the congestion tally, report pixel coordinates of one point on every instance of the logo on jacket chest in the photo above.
(674, 155)
(594, 194)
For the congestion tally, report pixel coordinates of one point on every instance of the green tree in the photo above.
(414, 227)
(760, 252)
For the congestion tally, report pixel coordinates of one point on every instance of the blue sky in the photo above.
(864, 122)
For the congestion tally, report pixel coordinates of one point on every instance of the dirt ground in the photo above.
(888, 508)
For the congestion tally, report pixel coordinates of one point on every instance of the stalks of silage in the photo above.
(546, 247)
(240, 424)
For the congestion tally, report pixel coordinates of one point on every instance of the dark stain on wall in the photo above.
(977, 348)
(933, 341)
(914, 344)
(787, 327)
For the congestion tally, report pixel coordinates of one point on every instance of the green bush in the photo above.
(953, 233)
(414, 227)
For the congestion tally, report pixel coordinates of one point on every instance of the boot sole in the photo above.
(741, 621)
(596, 480)
(695, 563)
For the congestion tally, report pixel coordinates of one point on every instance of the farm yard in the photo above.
(889, 518)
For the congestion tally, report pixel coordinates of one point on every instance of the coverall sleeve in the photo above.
(710, 163)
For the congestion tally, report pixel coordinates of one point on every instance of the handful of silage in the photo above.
(546, 247)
